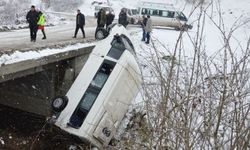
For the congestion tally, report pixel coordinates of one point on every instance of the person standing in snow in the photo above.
(32, 18)
(101, 18)
(80, 23)
(143, 24)
(148, 29)
(110, 17)
(41, 23)
(123, 18)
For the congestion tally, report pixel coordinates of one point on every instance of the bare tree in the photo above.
(65, 5)
(197, 103)
(11, 9)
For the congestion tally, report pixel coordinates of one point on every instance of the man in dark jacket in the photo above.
(101, 18)
(143, 24)
(148, 28)
(123, 18)
(32, 18)
(110, 18)
(80, 23)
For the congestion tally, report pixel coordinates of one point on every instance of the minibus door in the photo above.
(175, 22)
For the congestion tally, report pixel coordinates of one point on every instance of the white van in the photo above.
(105, 7)
(101, 94)
(163, 15)
(132, 14)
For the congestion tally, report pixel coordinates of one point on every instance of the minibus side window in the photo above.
(134, 11)
(182, 17)
(160, 13)
(117, 48)
(99, 79)
(170, 14)
(88, 100)
(155, 12)
(144, 11)
(139, 11)
(129, 12)
(91, 94)
(151, 12)
(164, 13)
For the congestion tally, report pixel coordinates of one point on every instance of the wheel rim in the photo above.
(58, 102)
(100, 35)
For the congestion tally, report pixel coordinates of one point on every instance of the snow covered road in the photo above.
(56, 36)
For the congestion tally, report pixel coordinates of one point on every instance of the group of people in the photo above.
(107, 19)
(104, 19)
(36, 21)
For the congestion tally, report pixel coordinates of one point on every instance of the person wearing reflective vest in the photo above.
(41, 23)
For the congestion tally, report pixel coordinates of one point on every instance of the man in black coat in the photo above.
(110, 18)
(80, 23)
(123, 18)
(101, 18)
(32, 18)
(143, 24)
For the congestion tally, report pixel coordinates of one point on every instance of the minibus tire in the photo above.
(61, 104)
(177, 28)
(100, 34)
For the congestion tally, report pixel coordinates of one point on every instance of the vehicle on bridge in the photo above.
(99, 98)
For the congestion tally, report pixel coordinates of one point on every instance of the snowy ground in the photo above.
(56, 35)
(230, 11)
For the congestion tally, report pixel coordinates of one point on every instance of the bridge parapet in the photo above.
(30, 85)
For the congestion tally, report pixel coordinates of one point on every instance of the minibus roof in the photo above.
(130, 7)
(159, 6)
(102, 5)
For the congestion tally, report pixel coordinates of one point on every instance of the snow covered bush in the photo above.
(12, 11)
(65, 5)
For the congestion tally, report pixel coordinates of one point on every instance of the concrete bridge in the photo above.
(31, 84)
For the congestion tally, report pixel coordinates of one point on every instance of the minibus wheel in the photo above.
(177, 28)
(100, 34)
(59, 103)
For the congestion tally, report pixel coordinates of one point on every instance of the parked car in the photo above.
(164, 15)
(97, 101)
(105, 7)
(132, 14)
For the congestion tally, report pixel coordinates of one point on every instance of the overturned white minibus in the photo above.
(101, 94)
